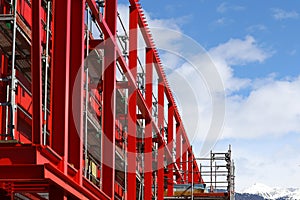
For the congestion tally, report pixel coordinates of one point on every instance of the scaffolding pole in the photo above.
(86, 97)
(13, 74)
(192, 186)
(46, 72)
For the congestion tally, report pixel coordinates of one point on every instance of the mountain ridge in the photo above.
(260, 191)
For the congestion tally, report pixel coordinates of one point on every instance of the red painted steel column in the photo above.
(3, 92)
(76, 87)
(148, 128)
(2, 95)
(36, 73)
(133, 39)
(190, 165)
(196, 172)
(60, 79)
(178, 148)
(170, 146)
(160, 156)
(108, 121)
(184, 168)
(109, 102)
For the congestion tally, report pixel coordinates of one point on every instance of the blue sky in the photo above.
(255, 46)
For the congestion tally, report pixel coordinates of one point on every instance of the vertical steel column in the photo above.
(160, 156)
(60, 79)
(4, 97)
(170, 146)
(109, 101)
(148, 128)
(178, 148)
(184, 168)
(4, 7)
(76, 87)
(196, 172)
(192, 173)
(133, 39)
(190, 165)
(36, 73)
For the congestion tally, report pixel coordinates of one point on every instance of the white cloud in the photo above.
(240, 52)
(223, 21)
(256, 27)
(224, 56)
(271, 160)
(271, 108)
(292, 52)
(265, 162)
(280, 14)
(224, 7)
(237, 52)
(220, 20)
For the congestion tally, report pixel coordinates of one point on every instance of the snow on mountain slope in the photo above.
(273, 193)
(260, 189)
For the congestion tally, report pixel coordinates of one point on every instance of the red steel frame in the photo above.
(30, 167)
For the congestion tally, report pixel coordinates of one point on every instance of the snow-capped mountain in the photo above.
(261, 191)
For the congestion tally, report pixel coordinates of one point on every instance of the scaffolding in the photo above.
(218, 176)
(218, 173)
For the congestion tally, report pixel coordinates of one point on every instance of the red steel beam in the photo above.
(190, 166)
(132, 127)
(75, 145)
(86, 192)
(170, 146)
(36, 73)
(60, 79)
(109, 100)
(14, 167)
(21, 171)
(161, 150)
(11, 155)
(3, 92)
(148, 128)
(178, 148)
(184, 166)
